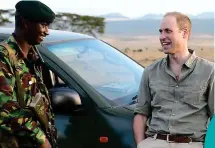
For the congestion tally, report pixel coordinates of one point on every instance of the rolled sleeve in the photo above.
(144, 99)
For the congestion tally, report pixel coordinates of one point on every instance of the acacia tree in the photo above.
(84, 24)
(66, 21)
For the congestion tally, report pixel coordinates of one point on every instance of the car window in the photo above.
(110, 72)
(55, 80)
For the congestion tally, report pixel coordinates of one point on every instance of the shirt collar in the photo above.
(32, 54)
(190, 61)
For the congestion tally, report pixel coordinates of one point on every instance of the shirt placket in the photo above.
(175, 83)
(172, 121)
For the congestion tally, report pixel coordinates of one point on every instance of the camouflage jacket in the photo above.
(14, 119)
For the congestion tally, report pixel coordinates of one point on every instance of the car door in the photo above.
(75, 122)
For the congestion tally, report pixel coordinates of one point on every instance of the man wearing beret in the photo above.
(19, 124)
(176, 96)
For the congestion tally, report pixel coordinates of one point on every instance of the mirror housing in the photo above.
(65, 100)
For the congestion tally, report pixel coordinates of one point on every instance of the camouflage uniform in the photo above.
(14, 119)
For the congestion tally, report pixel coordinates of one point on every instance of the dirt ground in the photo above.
(147, 49)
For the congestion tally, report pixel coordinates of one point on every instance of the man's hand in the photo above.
(46, 144)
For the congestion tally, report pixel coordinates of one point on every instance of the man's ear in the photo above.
(185, 33)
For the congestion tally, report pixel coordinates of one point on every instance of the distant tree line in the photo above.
(66, 21)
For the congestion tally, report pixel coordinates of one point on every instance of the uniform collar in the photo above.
(32, 54)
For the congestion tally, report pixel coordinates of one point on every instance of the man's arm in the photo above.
(14, 119)
(211, 104)
(143, 109)
(139, 127)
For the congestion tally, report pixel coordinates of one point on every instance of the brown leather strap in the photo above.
(175, 138)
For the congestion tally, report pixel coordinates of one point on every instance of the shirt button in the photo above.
(173, 114)
(176, 86)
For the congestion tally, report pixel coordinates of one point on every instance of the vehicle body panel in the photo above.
(99, 117)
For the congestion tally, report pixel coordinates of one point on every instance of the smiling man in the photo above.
(176, 95)
(21, 80)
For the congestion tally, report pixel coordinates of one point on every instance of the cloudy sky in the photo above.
(130, 8)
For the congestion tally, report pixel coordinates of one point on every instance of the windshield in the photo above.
(107, 70)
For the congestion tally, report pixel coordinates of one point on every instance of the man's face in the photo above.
(36, 32)
(171, 37)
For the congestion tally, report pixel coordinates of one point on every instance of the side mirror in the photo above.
(65, 100)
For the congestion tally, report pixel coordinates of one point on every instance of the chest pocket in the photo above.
(193, 93)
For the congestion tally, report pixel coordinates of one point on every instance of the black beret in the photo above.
(34, 11)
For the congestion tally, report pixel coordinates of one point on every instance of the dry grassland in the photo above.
(147, 49)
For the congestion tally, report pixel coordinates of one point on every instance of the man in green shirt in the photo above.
(176, 95)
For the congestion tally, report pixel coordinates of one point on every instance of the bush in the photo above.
(139, 50)
(160, 49)
(127, 49)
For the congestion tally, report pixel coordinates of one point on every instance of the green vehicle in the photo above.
(93, 87)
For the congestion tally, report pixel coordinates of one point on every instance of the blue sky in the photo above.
(130, 8)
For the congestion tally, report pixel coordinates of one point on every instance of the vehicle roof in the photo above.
(54, 35)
